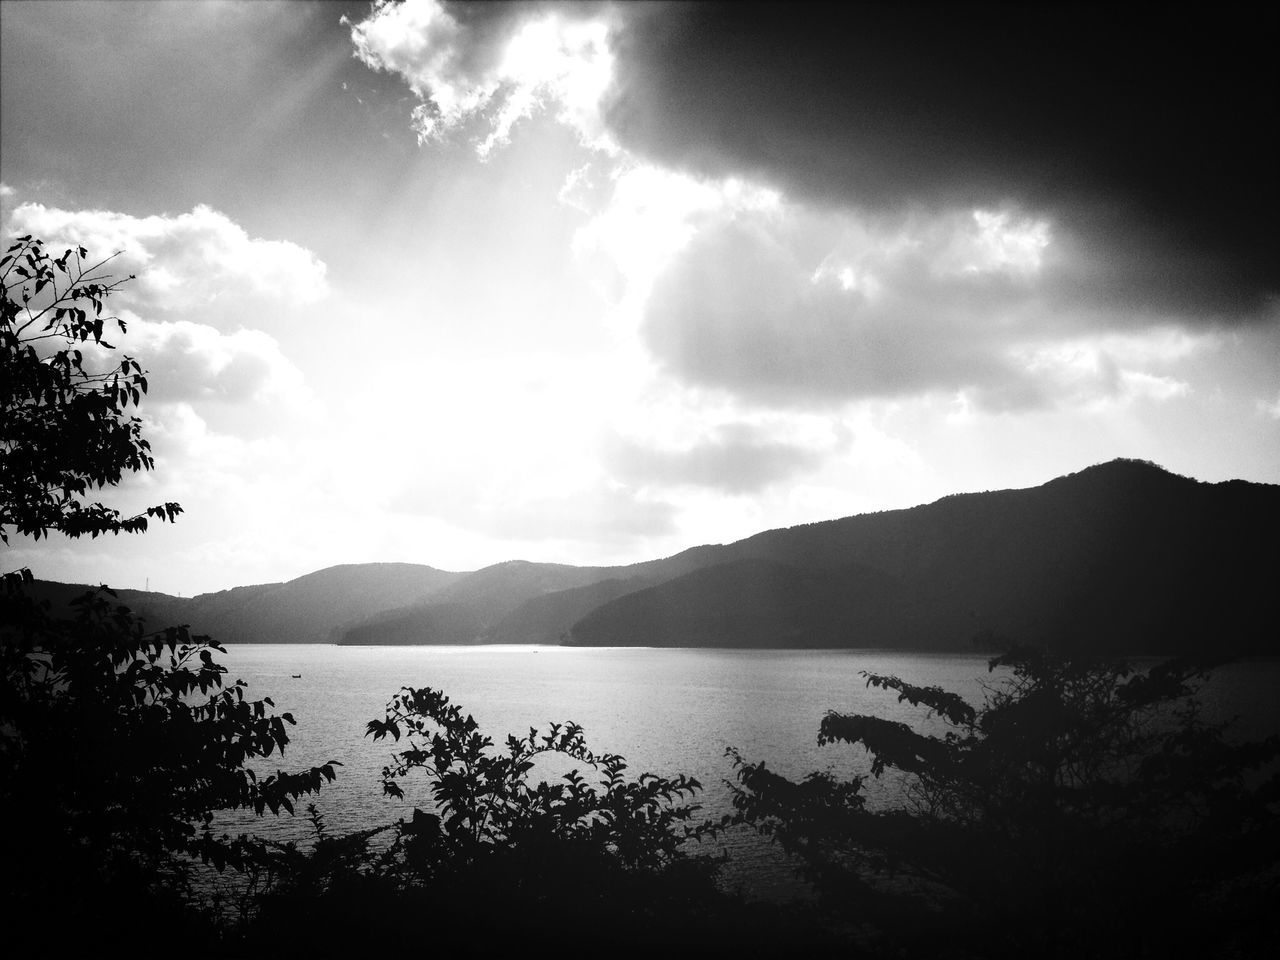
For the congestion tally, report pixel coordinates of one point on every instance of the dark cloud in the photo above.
(1143, 131)
(736, 459)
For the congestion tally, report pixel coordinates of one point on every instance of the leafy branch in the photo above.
(66, 429)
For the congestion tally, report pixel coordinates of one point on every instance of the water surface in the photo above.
(665, 710)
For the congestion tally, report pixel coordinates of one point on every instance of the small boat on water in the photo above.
(297, 676)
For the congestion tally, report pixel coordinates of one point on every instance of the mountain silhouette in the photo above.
(308, 609)
(765, 603)
(1122, 557)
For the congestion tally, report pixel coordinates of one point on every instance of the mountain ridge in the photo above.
(1093, 560)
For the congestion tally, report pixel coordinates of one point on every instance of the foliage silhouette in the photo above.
(502, 857)
(1084, 808)
(117, 743)
(120, 743)
(487, 809)
(66, 428)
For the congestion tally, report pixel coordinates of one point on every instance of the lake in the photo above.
(665, 710)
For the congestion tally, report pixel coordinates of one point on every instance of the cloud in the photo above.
(1106, 368)
(206, 410)
(788, 307)
(6, 191)
(927, 201)
(221, 396)
(185, 263)
(1152, 154)
(1138, 385)
(594, 511)
(193, 456)
(733, 286)
(645, 219)
(193, 362)
(197, 260)
(736, 459)
(493, 68)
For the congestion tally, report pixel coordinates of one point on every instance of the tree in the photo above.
(1084, 807)
(598, 838)
(117, 743)
(486, 804)
(118, 746)
(502, 858)
(66, 428)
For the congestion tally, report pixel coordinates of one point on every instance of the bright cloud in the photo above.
(1138, 385)
(193, 362)
(200, 283)
(193, 260)
(999, 241)
(646, 218)
(497, 72)
(1114, 368)
(587, 510)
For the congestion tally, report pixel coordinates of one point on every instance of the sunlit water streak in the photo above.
(665, 710)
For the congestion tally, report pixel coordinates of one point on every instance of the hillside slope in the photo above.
(1122, 557)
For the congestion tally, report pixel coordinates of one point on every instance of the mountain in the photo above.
(158, 609)
(308, 609)
(426, 623)
(489, 597)
(766, 603)
(1122, 557)
(493, 592)
(548, 618)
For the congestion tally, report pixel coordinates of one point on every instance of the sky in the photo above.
(456, 284)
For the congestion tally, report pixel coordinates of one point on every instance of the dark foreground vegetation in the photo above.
(1083, 809)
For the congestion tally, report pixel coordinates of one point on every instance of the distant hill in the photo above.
(766, 603)
(548, 618)
(1122, 557)
(493, 592)
(309, 609)
(426, 623)
(158, 609)
(489, 596)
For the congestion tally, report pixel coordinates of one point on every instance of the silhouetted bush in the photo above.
(504, 859)
(1083, 809)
